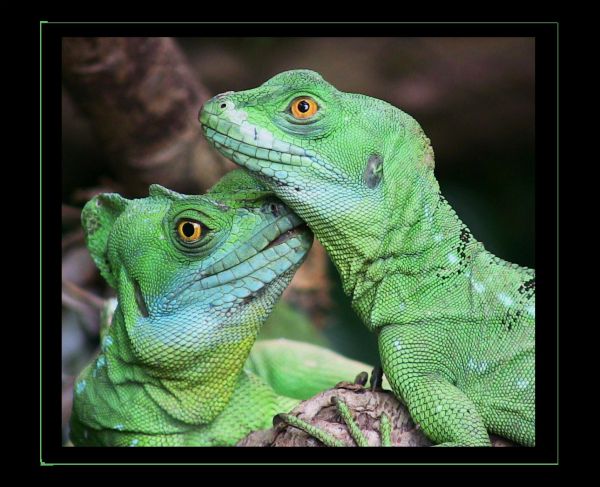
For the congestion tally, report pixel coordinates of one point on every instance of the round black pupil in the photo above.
(188, 229)
(303, 106)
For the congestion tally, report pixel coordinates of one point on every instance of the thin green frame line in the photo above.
(42, 463)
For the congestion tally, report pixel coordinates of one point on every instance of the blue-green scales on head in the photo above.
(455, 324)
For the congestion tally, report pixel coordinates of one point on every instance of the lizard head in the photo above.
(195, 275)
(338, 159)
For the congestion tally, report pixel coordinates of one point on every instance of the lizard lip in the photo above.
(287, 235)
(233, 147)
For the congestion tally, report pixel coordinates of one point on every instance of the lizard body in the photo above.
(195, 276)
(455, 324)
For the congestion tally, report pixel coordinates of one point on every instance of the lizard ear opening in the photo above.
(373, 171)
(97, 218)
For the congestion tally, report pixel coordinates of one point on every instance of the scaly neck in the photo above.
(420, 262)
(194, 394)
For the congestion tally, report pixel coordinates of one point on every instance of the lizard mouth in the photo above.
(235, 142)
(287, 235)
(261, 152)
(274, 250)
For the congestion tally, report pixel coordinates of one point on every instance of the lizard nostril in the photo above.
(272, 208)
(223, 105)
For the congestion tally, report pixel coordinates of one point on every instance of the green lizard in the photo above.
(455, 324)
(196, 276)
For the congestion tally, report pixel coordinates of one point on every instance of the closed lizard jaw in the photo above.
(289, 234)
(275, 249)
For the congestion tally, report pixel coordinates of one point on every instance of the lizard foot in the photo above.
(385, 426)
(354, 431)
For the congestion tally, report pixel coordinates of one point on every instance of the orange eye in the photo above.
(189, 231)
(304, 107)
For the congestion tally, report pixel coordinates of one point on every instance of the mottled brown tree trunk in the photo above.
(142, 100)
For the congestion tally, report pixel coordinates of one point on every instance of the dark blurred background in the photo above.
(130, 110)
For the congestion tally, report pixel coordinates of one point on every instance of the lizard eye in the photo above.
(303, 107)
(189, 231)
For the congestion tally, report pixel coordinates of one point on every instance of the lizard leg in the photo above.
(361, 378)
(446, 415)
(300, 370)
(444, 412)
(353, 428)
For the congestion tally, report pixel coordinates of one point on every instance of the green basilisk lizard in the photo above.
(455, 324)
(196, 277)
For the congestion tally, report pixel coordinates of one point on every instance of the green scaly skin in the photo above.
(455, 324)
(174, 367)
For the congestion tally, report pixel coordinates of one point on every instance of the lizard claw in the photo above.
(361, 379)
(376, 378)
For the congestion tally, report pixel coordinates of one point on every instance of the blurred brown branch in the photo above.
(142, 99)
